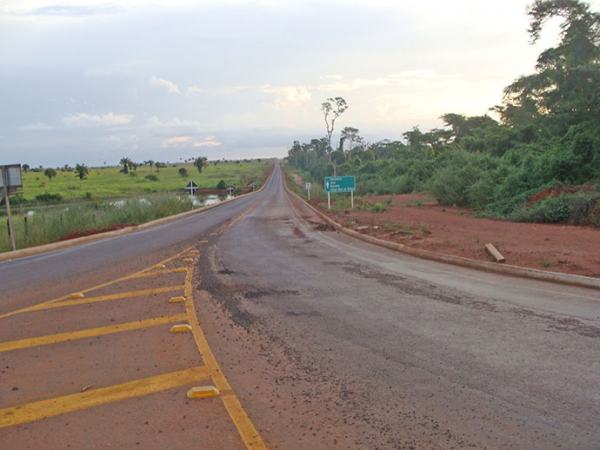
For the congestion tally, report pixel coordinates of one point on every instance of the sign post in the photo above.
(11, 180)
(340, 184)
(308, 186)
(191, 188)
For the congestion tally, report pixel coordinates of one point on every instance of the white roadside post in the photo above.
(308, 186)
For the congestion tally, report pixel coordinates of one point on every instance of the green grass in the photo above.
(89, 204)
(109, 182)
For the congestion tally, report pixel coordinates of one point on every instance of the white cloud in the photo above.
(177, 141)
(288, 97)
(209, 141)
(75, 10)
(102, 120)
(161, 82)
(193, 90)
(396, 79)
(185, 141)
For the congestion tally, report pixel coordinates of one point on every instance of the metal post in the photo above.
(352, 198)
(328, 200)
(10, 228)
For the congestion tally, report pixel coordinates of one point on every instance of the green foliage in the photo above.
(61, 210)
(46, 197)
(183, 172)
(50, 173)
(151, 177)
(81, 170)
(547, 134)
(378, 208)
(571, 209)
(199, 163)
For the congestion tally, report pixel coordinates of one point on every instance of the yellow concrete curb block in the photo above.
(181, 328)
(177, 300)
(181, 270)
(159, 266)
(195, 252)
(77, 295)
(188, 260)
(203, 391)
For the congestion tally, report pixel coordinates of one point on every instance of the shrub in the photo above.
(151, 177)
(46, 197)
(378, 208)
(571, 209)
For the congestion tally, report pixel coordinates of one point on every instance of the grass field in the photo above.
(109, 182)
(108, 197)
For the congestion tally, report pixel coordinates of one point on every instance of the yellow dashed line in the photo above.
(53, 407)
(92, 332)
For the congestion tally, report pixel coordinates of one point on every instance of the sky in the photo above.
(95, 81)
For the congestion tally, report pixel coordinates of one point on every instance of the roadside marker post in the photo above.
(11, 180)
(191, 188)
(340, 184)
(308, 186)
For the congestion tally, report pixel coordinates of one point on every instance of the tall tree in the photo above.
(564, 91)
(332, 109)
(200, 162)
(349, 134)
(126, 163)
(81, 170)
(50, 173)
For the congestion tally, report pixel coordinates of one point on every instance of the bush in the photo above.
(46, 197)
(151, 177)
(571, 209)
(378, 208)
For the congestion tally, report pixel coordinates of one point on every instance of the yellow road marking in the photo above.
(238, 415)
(157, 272)
(141, 273)
(56, 406)
(92, 332)
(102, 298)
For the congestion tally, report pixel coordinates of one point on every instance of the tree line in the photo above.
(546, 134)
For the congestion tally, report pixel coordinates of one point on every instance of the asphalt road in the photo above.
(329, 342)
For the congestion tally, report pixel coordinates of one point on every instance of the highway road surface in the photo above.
(313, 340)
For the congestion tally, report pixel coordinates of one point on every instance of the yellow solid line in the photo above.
(92, 332)
(141, 273)
(104, 298)
(56, 406)
(248, 432)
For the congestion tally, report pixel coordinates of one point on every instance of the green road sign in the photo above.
(340, 184)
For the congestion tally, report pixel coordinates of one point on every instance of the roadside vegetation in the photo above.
(67, 203)
(544, 138)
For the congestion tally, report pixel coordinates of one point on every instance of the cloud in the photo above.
(394, 79)
(177, 141)
(184, 141)
(104, 120)
(209, 141)
(75, 10)
(193, 90)
(288, 97)
(161, 82)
